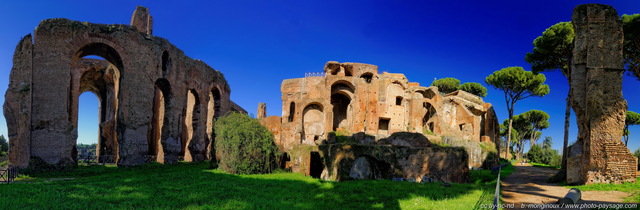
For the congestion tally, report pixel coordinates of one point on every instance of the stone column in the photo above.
(598, 156)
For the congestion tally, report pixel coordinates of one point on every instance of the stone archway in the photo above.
(95, 68)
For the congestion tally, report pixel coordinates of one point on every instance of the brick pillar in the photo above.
(598, 156)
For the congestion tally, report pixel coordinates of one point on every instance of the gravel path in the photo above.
(528, 185)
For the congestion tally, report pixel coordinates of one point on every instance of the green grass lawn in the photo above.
(193, 186)
(632, 188)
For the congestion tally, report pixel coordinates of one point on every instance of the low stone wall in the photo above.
(481, 154)
(343, 162)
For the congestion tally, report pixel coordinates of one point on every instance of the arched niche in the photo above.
(312, 122)
(342, 93)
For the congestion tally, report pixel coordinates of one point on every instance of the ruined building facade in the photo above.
(391, 124)
(156, 104)
(355, 98)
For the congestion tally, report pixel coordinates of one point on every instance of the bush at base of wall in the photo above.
(244, 145)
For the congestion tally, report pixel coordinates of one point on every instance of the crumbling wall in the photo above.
(447, 164)
(379, 105)
(598, 156)
(17, 106)
(139, 72)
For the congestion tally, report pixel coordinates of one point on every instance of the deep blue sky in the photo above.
(257, 44)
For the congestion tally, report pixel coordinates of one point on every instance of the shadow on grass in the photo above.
(191, 185)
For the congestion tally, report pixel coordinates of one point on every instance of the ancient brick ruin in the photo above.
(354, 101)
(156, 104)
(598, 156)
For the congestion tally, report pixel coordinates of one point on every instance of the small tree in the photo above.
(633, 118)
(4, 146)
(538, 120)
(474, 88)
(447, 85)
(517, 84)
(244, 145)
(546, 144)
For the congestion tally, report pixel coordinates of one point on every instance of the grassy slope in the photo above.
(192, 186)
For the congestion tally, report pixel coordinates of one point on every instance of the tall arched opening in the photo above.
(87, 146)
(95, 68)
(190, 127)
(213, 112)
(159, 126)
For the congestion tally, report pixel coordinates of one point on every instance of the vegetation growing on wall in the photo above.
(448, 85)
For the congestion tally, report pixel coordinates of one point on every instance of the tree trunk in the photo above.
(625, 135)
(565, 145)
(506, 151)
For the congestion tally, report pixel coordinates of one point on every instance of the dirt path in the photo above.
(528, 185)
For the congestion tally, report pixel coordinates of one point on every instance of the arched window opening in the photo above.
(292, 111)
(165, 63)
(398, 100)
(190, 127)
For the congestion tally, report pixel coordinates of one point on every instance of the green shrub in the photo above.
(4, 146)
(244, 145)
(546, 156)
(447, 85)
(474, 88)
